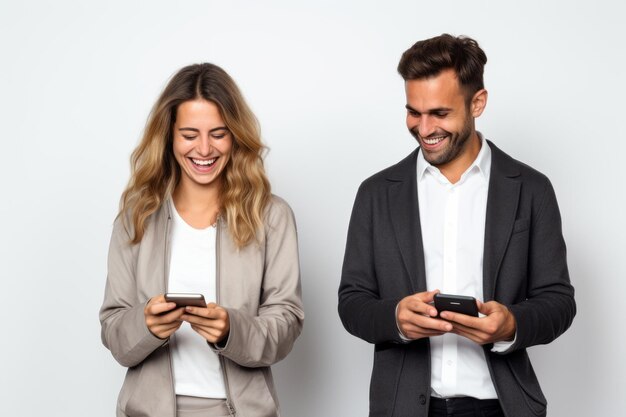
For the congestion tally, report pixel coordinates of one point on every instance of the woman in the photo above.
(198, 217)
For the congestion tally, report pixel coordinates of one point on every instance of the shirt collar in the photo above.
(482, 164)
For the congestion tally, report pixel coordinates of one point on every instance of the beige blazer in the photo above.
(259, 285)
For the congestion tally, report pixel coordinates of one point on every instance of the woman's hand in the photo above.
(162, 318)
(211, 322)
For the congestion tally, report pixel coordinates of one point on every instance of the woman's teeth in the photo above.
(204, 162)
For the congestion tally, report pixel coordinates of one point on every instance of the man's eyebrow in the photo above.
(430, 111)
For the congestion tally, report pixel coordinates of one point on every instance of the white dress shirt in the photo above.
(452, 218)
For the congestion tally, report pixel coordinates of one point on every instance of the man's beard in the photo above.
(456, 144)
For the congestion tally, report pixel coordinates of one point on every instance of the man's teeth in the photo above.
(203, 162)
(433, 141)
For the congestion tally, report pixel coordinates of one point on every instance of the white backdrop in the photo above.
(78, 80)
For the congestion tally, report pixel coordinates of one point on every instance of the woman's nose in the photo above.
(205, 147)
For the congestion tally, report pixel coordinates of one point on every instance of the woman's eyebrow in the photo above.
(193, 129)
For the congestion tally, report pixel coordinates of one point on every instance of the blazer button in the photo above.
(422, 399)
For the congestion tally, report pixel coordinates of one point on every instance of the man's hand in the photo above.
(416, 318)
(162, 318)
(498, 325)
(211, 322)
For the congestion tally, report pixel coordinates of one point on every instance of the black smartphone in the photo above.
(456, 303)
(186, 299)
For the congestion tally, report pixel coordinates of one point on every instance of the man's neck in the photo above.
(454, 169)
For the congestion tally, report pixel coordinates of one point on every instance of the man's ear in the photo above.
(478, 103)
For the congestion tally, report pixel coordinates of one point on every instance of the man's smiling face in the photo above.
(439, 117)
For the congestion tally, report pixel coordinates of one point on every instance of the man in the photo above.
(457, 216)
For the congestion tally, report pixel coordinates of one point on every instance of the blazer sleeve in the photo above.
(549, 307)
(266, 338)
(362, 311)
(124, 331)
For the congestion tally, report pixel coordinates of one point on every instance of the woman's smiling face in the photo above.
(202, 143)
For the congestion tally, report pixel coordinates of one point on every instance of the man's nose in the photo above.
(426, 126)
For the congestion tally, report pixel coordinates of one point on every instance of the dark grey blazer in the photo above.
(524, 268)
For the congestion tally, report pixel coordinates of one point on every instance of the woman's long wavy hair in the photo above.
(155, 173)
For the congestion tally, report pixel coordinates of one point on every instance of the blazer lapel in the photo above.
(404, 209)
(502, 203)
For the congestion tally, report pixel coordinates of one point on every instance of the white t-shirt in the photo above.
(196, 367)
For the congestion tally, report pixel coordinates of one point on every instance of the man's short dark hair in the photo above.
(429, 57)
